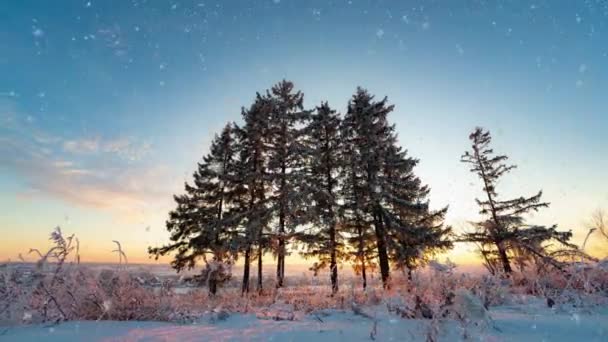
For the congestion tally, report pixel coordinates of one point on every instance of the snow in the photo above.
(529, 322)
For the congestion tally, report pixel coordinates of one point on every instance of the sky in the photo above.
(106, 106)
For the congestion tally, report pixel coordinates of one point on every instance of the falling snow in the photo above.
(459, 49)
(316, 13)
(582, 68)
(37, 32)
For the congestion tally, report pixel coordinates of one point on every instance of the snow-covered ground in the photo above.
(510, 323)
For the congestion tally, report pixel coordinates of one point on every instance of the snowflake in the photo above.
(379, 33)
(459, 49)
(37, 32)
(582, 68)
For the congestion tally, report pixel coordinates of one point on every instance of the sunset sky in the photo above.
(106, 106)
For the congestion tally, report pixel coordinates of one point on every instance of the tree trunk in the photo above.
(499, 229)
(212, 286)
(333, 267)
(381, 245)
(281, 247)
(504, 259)
(281, 252)
(245, 287)
(363, 275)
(260, 253)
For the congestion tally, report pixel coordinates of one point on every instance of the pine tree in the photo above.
(325, 241)
(504, 234)
(415, 232)
(285, 164)
(354, 218)
(253, 177)
(366, 132)
(199, 226)
(381, 190)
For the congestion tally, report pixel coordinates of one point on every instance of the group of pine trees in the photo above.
(341, 187)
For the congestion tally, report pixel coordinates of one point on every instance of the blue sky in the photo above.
(106, 106)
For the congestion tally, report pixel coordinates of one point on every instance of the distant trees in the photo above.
(343, 188)
(504, 236)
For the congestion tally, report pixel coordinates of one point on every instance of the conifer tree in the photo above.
(323, 154)
(285, 165)
(354, 218)
(381, 190)
(504, 233)
(199, 226)
(252, 174)
(366, 132)
(415, 232)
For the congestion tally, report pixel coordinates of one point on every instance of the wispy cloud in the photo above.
(83, 171)
(125, 148)
(81, 146)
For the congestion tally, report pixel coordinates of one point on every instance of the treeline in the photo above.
(341, 187)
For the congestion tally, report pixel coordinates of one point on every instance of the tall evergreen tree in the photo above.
(322, 183)
(285, 164)
(353, 211)
(199, 226)
(504, 233)
(382, 190)
(366, 131)
(253, 176)
(415, 232)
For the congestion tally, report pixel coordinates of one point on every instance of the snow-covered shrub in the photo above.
(214, 275)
